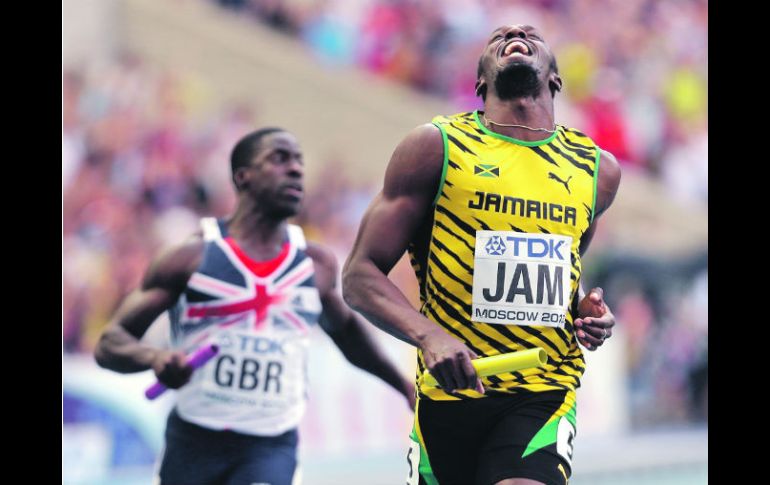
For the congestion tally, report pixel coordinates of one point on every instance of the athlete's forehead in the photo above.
(280, 140)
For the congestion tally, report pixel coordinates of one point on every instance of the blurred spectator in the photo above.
(635, 71)
(663, 308)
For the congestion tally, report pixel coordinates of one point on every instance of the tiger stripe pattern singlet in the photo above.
(515, 212)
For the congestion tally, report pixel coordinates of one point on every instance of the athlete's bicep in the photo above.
(606, 188)
(386, 230)
(162, 284)
(607, 183)
(404, 204)
(141, 307)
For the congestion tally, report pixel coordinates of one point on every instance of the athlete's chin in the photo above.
(517, 79)
(286, 209)
(515, 61)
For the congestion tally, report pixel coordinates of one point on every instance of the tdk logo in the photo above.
(260, 345)
(495, 246)
(535, 247)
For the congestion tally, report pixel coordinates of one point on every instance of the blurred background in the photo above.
(155, 94)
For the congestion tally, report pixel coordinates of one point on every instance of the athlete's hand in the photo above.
(449, 361)
(171, 369)
(595, 320)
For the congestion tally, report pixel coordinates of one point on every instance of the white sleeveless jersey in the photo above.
(259, 314)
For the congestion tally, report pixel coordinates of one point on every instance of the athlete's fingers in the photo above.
(596, 295)
(605, 321)
(443, 375)
(451, 375)
(595, 331)
(181, 367)
(178, 361)
(457, 369)
(580, 336)
(588, 345)
(592, 305)
(186, 373)
(589, 341)
(478, 386)
(599, 327)
(176, 371)
(434, 367)
(469, 373)
(469, 378)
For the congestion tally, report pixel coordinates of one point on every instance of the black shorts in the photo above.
(200, 456)
(483, 441)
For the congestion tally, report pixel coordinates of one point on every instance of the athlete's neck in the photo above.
(534, 112)
(258, 234)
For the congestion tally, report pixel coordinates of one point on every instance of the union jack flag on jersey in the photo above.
(230, 289)
(259, 313)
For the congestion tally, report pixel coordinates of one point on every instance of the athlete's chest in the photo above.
(230, 290)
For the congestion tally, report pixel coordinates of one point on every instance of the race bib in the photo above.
(521, 278)
(264, 371)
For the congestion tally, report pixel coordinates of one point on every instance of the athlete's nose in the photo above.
(515, 31)
(296, 168)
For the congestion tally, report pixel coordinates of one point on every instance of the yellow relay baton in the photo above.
(497, 364)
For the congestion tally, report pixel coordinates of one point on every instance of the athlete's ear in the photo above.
(481, 88)
(554, 83)
(240, 178)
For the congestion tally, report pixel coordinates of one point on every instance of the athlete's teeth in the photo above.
(513, 46)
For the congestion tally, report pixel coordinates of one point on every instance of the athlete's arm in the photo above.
(595, 320)
(391, 222)
(346, 328)
(120, 347)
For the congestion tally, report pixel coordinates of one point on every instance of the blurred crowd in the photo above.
(661, 306)
(145, 153)
(635, 71)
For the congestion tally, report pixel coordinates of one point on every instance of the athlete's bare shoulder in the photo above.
(416, 163)
(173, 267)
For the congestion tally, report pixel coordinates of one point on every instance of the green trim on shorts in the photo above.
(424, 468)
(549, 432)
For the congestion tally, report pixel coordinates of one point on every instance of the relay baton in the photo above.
(197, 360)
(497, 364)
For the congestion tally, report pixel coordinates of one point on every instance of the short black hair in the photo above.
(247, 147)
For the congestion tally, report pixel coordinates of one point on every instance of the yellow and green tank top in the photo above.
(507, 206)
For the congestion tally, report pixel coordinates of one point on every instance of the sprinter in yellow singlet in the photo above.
(496, 208)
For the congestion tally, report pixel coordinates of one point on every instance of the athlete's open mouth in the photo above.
(516, 46)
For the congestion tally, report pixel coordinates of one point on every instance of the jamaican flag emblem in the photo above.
(486, 170)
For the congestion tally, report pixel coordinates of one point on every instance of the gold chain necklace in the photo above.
(516, 126)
